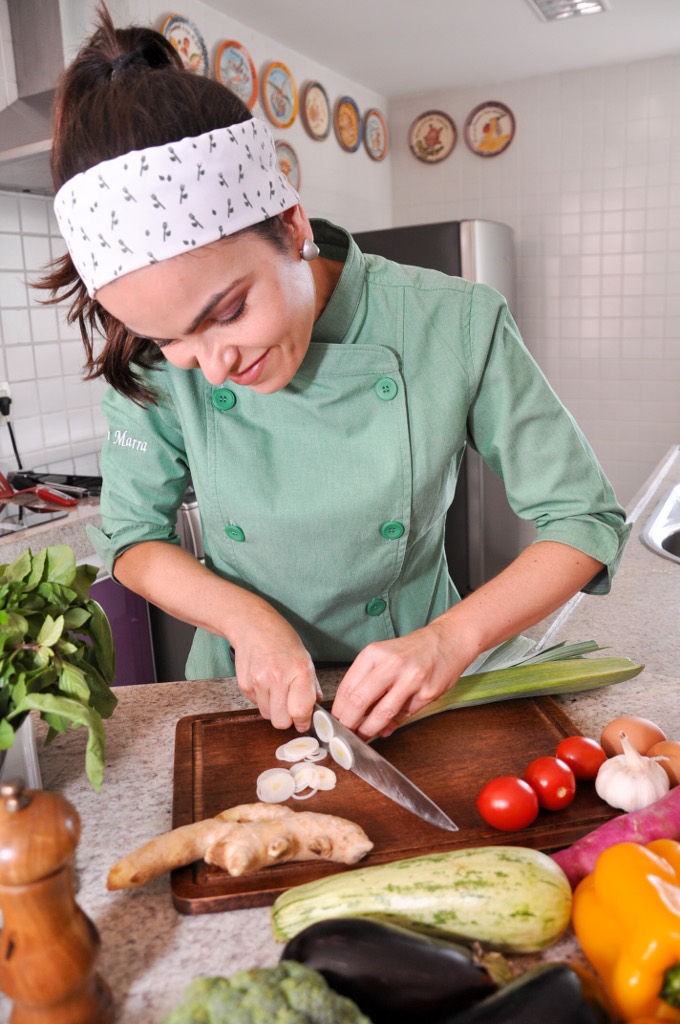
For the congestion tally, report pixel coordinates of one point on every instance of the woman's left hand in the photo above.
(392, 679)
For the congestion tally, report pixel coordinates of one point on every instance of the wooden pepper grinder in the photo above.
(48, 946)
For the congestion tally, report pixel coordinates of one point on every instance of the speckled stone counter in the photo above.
(149, 951)
(70, 529)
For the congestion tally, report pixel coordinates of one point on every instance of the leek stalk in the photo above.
(571, 674)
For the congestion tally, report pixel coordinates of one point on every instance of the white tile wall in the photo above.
(56, 414)
(348, 188)
(591, 187)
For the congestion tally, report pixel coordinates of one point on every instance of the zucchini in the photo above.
(509, 898)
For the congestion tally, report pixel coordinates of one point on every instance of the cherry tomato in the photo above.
(553, 781)
(508, 803)
(583, 755)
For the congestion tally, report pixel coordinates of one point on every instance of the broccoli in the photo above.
(290, 993)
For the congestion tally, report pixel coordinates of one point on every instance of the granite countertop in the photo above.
(150, 952)
(70, 529)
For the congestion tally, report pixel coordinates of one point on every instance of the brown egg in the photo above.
(671, 750)
(640, 731)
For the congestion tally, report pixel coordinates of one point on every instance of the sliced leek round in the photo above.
(275, 785)
(298, 749)
(325, 777)
(341, 752)
(306, 775)
(323, 725)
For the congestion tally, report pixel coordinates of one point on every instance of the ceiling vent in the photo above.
(557, 10)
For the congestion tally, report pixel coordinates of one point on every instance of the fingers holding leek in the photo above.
(393, 679)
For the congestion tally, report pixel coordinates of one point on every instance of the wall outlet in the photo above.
(5, 406)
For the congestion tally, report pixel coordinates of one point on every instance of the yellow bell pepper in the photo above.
(626, 916)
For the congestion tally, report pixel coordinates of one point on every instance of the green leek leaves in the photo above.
(509, 671)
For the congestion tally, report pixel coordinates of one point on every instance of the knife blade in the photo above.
(375, 769)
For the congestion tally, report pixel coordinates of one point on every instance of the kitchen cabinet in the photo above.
(171, 639)
(128, 615)
(151, 646)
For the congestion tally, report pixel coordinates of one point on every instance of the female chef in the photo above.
(320, 401)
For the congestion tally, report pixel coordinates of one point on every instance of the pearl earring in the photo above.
(309, 251)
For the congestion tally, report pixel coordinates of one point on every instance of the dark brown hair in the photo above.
(127, 89)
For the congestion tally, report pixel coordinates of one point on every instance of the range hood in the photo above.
(25, 125)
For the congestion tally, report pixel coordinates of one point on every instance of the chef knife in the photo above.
(373, 768)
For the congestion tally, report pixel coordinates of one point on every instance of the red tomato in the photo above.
(553, 781)
(508, 803)
(584, 756)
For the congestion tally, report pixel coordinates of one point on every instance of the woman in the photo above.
(319, 400)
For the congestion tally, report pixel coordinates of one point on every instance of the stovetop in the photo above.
(78, 476)
(80, 485)
(81, 472)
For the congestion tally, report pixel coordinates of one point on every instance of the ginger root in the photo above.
(243, 839)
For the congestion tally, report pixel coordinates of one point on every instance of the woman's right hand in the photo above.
(273, 668)
(274, 671)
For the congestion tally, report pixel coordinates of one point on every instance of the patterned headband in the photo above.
(152, 204)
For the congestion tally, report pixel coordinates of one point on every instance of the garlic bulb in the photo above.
(629, 780)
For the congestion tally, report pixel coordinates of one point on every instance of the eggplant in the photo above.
(393, 974)
(553, 992)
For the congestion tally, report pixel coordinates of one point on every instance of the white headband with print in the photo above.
(152, 204)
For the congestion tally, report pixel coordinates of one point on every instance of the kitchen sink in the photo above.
(661, 532)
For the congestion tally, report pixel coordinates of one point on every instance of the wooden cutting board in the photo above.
(219, 756)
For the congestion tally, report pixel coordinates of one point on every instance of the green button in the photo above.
(223, 399)
(376, 607)
(234, 532)
(386, 389)
(392, 530)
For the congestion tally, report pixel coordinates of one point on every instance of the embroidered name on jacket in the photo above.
(122, 438)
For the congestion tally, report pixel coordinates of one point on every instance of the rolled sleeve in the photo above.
(602, 537)
(522, 429)
(145, 475)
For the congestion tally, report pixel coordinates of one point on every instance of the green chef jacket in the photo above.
(328, 498)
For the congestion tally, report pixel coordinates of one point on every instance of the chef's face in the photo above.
(236, 309)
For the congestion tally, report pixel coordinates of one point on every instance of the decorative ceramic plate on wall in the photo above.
(316, 111)
(234, 68)
(376, 137)
(280, 95)
(432, 136)
(288, 163)
(188, 42)
(489, 128)
(347, 123)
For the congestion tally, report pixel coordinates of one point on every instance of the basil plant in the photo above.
(56, 651)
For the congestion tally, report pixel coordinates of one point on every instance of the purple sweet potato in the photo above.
(661, 820)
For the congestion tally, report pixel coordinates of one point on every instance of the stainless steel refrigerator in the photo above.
(483, 534)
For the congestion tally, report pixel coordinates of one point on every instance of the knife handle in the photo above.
(55, 496)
